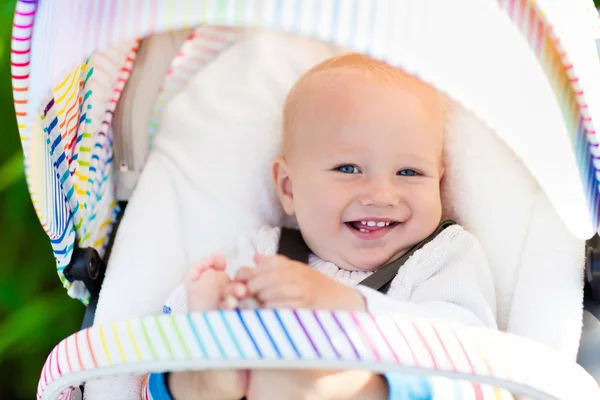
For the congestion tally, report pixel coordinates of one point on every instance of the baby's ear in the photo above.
(283, 183)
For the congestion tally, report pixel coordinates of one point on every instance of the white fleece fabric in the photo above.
(449, 278)
(537, 263)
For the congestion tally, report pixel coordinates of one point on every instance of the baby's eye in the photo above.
(348, 169)
(408, 172)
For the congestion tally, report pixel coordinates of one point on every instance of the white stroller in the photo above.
(96, 81)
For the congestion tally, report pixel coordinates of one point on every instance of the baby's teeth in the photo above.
(387, 224)
(363, 230)
(381, 224)
(371, 223)
(363, 222)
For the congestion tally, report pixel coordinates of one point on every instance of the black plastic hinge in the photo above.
(592, 272)
(87, 266)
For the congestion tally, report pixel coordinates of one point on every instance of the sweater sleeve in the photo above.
(449, 278)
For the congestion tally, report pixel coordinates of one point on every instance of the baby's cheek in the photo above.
(313, 209)
(322, 198)
(429, 205)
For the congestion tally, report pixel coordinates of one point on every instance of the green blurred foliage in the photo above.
(35, 311)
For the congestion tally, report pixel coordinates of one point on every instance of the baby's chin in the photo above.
(367, 262)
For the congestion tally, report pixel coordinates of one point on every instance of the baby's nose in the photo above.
(381, 195)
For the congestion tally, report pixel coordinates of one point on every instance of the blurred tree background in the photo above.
(35, 311)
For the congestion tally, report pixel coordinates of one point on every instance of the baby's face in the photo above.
(362, 168)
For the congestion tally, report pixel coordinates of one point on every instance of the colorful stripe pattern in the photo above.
(69, 158)
(561, 75)
(68, 141)
(203, 46)
(306, 339)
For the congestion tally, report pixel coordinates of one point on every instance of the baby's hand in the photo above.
(316, 384)
(208, 287)
(207, 284)
(216, 262)
(278, 282)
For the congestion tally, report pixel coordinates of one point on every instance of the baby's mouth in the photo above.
(368, 226)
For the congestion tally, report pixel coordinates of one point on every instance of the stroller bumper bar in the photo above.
(305, 339)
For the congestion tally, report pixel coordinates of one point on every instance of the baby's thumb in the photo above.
(244, 274)
(263, 261)
(218, 262)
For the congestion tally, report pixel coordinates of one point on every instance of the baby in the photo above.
(360, 170)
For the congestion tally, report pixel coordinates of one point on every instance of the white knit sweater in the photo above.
(448, 278)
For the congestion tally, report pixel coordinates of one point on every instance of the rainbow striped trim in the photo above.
(315, 339)
(202, 47)
(68, 152)
(530, 19)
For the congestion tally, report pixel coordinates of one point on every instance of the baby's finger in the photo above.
(239, 290)
(229, 303)
(214, 261)
(222, 279)
(244, 274)
(217, 261)
(195, 271)
(264, 279)
(281, 293)
(262, 261)
(224, 287)
(283, 303)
